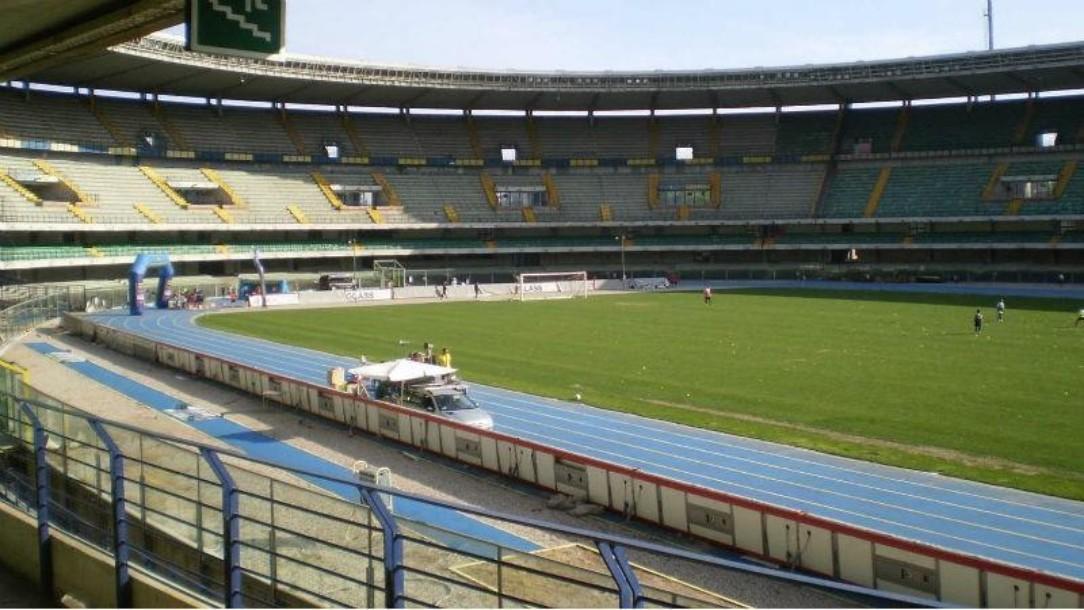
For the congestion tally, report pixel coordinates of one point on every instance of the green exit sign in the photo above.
(249, 28)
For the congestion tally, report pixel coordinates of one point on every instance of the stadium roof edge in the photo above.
(160, 64)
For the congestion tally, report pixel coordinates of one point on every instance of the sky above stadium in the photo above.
(661, 34)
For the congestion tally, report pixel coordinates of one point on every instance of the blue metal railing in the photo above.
(239, 531)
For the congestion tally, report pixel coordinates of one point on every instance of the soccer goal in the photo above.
(569, 285)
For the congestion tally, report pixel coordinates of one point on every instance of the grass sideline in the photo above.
(888, 377)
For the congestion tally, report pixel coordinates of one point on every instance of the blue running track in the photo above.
(263, 447)
(1027, 530)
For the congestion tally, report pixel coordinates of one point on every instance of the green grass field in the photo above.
(893, 378)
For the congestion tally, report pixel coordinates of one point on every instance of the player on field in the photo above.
(1001, 310)
(978, 321)
(707, 295)
(1079, 317)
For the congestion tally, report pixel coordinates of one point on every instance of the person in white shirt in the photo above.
(707, 295)
(1001, 310)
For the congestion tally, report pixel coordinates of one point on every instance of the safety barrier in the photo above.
(237, 531)
(788, 537)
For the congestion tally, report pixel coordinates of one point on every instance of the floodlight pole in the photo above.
(990, 25)
(353, 243)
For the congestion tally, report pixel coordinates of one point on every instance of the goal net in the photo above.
(569, 285)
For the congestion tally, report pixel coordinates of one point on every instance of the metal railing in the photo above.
(234, 530)
(23, 307)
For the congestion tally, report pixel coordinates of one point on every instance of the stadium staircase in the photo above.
(354, 135)
(451, 213)
(878, 191)
(223, 214)
(472, 136)
(713, 135)
(147, 213)
(23, 192)
(175, 136)
(990, 190)
(391, 196)
(903, 120)
(79, 214)
(683, 212)
(715, 185)
(605, 213)
(1024, 127)
(81, 198)
(235, 199)
(291, 132)
(653, 190)
(489, 188)
(529, 215)
(375, 215)
(1064, 176)
(532, 138)
(117, 134)
(328, 192)
(553, 195)
(297, 213)
(653, 137)
(163, 186)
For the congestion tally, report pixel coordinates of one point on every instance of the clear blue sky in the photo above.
(664, 34)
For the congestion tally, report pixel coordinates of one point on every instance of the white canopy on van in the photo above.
(401, 370)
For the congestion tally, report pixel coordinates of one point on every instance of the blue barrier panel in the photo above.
(41, 500)
(231, 531)
(120, 515)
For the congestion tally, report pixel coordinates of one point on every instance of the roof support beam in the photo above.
(967, 91)
(91, 33)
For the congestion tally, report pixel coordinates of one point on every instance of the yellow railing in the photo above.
(22, 373)
(529, 215)
(715, 184)
(354, 135)
(148, 213)
(683, 212)
(375, 216)
(223, 215)
(878, 191)
(118, 136)
(714, 135)
(1064, 176)
(903, 120)
(390, 196)
(291, 131)
(163, 186)
(553, 196)
(489, 188)
(18, 188)
(298, 214)
(93, 251)
(451, 213)
(325, 188)
(990, 189)
(222, 249)
(1024, 125)
(1013, 209)
(653, 190)
(47, 168)
(175, 136)
(532, 138)
(605, 213)
(231, 194)
(472, 136)
(78, 212)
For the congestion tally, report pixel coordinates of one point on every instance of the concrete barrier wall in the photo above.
(79, 570)
(785, 536)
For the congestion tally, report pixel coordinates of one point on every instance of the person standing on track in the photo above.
(978, 322)
(707, 295)
(444, 358)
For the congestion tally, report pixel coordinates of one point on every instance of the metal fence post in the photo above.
(120, 515)
(624, 589)
(41, 501)
(231, 531)
(394, 580)
(630, 576)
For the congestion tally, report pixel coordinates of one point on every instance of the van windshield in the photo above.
(454, 402)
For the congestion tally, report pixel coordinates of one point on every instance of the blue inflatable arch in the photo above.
(143, 262)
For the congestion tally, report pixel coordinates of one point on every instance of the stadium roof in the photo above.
(161, 65)
(35, 34)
